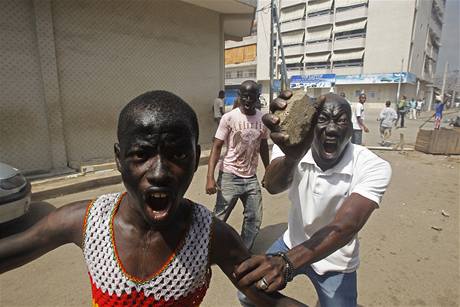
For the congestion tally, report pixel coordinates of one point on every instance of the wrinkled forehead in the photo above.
(336, 107)
(151, 123)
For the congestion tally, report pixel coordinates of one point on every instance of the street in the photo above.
(405, 261)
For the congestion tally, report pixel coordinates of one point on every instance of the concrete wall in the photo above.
(91, 58)
(376, 94)
(24, 137)
(388, 36)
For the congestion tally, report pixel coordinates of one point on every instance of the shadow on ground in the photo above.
(36, 212)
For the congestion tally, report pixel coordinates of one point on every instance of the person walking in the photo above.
(402, 109)
(245, 136)
(419, 107)
(218, 107)
(387, 119)
(412, 109)
(334, 186)
(358, 121)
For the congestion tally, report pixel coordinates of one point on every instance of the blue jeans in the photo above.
(334, 289)
(357, 137)
(232, 188)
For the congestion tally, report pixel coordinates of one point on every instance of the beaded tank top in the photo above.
(182, 281)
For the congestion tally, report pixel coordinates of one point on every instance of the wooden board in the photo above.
(443, 141)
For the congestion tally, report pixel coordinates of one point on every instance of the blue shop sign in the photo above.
(318, 81)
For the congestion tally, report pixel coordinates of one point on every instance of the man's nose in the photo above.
(331, 128)
(158, 169)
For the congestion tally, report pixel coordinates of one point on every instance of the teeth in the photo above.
(159, 195)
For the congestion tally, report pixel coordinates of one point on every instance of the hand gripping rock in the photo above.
(298, 117)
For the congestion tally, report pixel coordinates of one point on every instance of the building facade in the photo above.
(69, 66)
(358, 45)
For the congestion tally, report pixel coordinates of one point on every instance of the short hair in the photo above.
(388, 103)
(221, 94)
(362, 95)
(249, 83)
(170, 105)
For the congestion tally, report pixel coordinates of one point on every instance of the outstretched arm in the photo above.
(227, 251)
(349, 219)
(59, 227)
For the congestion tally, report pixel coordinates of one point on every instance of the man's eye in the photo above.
(342, 121)
(179, 156)
(322, 119)
(139, 155)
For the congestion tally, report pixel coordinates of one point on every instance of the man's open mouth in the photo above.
(158, 202)
(330, 147)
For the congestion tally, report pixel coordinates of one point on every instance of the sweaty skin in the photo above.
(328, 141)
(157, 156)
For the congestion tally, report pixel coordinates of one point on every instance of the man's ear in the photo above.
(116, 149)
(198, 156)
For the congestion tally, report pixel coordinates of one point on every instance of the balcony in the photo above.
(317, 71)
(349, 42)
(298, 24)
(292, 72)
(319, 20)
(348, 70)
(293, 50)
(288, 3)
(350, 14)
(319, 47)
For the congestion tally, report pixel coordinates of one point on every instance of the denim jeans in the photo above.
(232, 188)
(357, 137)
(334, 289)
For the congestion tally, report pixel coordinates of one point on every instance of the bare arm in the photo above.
(59, 227)
(264, 155)
(213, 159)
(227, 251)
(349, 219)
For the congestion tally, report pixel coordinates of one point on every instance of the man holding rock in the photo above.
(334, 186)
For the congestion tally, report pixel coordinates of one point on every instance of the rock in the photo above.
(445, 213)
(296, 120)
(436, 228)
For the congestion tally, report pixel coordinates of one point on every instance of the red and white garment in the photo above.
(182, 281)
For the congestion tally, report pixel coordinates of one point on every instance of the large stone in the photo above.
(297, 119)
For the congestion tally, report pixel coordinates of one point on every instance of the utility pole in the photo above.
(399, 82)
(444, 77)
(272, 7)
(284, 80)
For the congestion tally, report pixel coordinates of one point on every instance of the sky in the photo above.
(450, 47)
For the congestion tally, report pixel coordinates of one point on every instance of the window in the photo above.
(239, 74)
(228, 75)
(252, 73)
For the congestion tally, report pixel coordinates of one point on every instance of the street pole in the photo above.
(444, 77)
(283, 80)
(399, 82)
(272, 7)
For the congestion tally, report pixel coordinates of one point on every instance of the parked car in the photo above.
(15, 193)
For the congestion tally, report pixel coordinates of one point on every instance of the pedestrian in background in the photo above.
(387, 119)
(439, 107)
(358, 121)
(419, 106)
(412, 109)
(245, 136)
(402, 109)
(218, 107)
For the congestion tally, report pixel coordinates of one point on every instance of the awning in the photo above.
(294, 37)
(318, 34)
(344, 56)
(317, 58)
(339, 28)
(317, 6)
(292, 13)
(345, 3)
(292, 59)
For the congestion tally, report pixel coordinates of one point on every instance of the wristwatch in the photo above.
(289, 267)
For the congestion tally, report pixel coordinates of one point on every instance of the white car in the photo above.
(15, 193)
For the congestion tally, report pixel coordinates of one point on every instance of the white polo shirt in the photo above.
(358, 111)
(316, 196)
